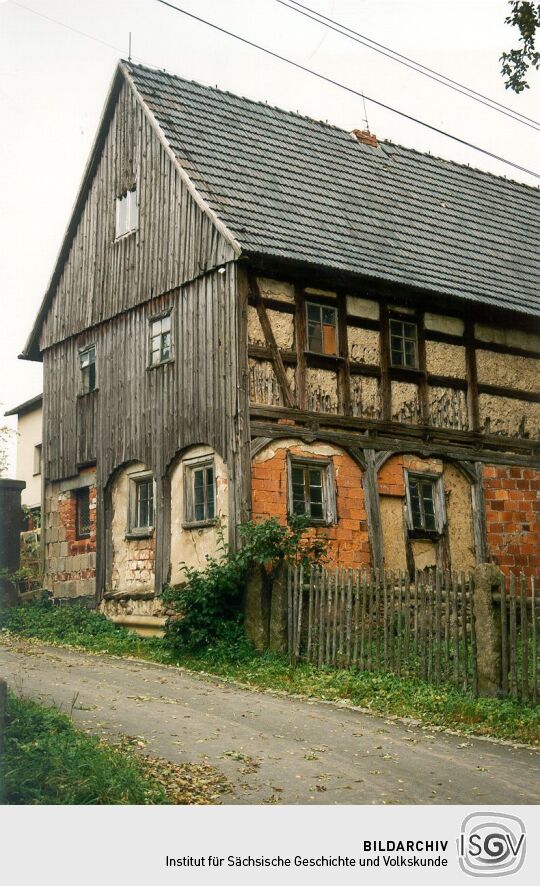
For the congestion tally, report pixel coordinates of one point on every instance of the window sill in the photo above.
(82, 537)
(202, 524)
(135, 534)
(157, 365)
(424, 535)
(125, 236)
(83, 394)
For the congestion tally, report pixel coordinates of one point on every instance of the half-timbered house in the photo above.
(257, 314)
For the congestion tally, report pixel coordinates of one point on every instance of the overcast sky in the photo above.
(53, 83)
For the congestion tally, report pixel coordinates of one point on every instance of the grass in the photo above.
(232, 658)
(47, 760)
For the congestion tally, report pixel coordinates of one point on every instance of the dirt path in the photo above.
(272, 749)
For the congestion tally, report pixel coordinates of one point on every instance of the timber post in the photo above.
(265, 609)
(487, 615)
(257, 608)
(10, 536)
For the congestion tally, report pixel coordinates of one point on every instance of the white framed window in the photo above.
(141, 503)
(426, 513)
(322, 337)
(127, 213)
(87, 362)
(311, 489)
(160, 339)
(38, 451)
(200, 506)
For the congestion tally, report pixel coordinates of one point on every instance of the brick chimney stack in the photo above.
(365, 137)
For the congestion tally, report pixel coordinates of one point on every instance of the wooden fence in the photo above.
(520, 636)
(426, 627)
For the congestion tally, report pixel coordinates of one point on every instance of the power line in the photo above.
(70, 28)
(407, 62)
(349, 89)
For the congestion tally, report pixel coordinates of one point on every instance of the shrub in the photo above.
(209, 603)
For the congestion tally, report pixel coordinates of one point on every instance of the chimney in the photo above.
(365, 137)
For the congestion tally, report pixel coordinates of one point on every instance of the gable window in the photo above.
(311, 490)
(37, 459)
(141, 505)
(425, 503)
(403, 344)
(321, 329)
(87, 359)
(127, 213)
(160, 340)
(82, 526)
(199, 492)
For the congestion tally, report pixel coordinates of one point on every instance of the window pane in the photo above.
(165, 346)
(314, 313)
(144, 504)
(83, 513)
(166, 323)
(415, 504)
(315, 337)
(329, 316)
(410, 353)
(409, 330)
(298, 490)
(317, 511)
(329, 340)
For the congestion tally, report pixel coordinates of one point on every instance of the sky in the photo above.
(54, 79)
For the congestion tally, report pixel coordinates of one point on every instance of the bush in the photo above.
(208, 606)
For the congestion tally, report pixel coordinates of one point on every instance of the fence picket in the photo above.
(504, 637)
(513, 635)
(524, 638)
(534, 650)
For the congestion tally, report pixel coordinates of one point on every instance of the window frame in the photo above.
(135, 482)
(155, 319)
(82, 369)
(439, 506)
(326, 465)
(80, 494)
(322, 307)
(132, 214)
(38, 460)
(410, 321)
(190, 467)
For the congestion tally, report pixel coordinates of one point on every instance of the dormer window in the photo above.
(127, 213)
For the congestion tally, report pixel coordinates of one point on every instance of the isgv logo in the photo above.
(491, 844)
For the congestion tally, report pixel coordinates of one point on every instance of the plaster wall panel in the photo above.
(191, 547)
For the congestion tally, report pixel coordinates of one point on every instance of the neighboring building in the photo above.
(29, 449)
(255, 314)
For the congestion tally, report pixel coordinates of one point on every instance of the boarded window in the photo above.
(403, 344)
(425, 502)
(200, 492)
(127, 213)
(160, 340)
(87, 360)
(82, 497)
(321, 329)
(311, 492)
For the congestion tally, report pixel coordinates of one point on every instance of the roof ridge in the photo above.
(244, 98)
(467, 166)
